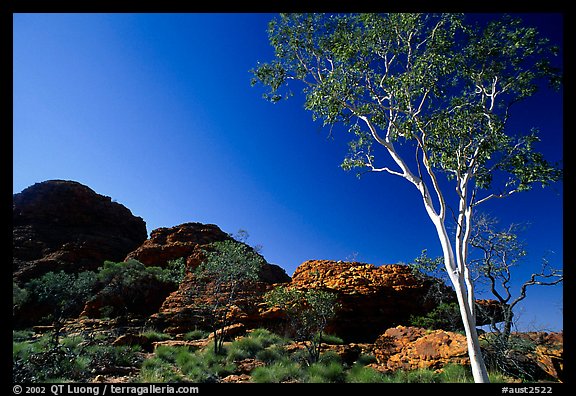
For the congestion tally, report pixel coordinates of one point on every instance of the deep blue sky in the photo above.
(157, 112)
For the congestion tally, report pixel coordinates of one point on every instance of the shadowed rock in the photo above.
(65, 225)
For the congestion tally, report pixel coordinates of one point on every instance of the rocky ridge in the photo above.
(63, 225)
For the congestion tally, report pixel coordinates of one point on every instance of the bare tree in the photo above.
(501, 251)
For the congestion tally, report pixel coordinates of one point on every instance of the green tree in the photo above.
(130, 283)
(64, 293)
(228, 266)
(423, 96)
(19, 296)
(308, 312)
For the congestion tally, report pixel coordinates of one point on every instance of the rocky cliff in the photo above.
(65, 225)
(184, 309)
(370, 298)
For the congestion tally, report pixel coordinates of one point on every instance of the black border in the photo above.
(9, 7)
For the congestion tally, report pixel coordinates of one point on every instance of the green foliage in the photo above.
(203, 366)
(49, 358)
(182, 364)
(153, 335)
(321, 372)
(415, 376)
(277, 372)
(196, 334)
(429, 80)
(157, 370)
(132, 280)
(174, 272)
(255, 344)
(455, 373)
(123, 275)
(331, 339)
(64, 293)
(308, 311)
(228, 266)
(445, 316)
(230, 262)
(19, 296)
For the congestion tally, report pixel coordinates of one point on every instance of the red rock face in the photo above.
(410, 348)
(185, 309)
(64, 225)
(371, 298)
(183, 240)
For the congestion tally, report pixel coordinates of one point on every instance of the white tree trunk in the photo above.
(464, 296)
(478, 367)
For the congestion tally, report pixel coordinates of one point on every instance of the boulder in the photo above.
(65, 225)
(410, 348)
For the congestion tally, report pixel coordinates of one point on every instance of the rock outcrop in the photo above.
(172, 243)
(410, 348)
(188, 241)
(185, 309)
(65, 225)
(371, 299)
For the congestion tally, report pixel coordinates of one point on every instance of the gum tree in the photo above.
(426, 98)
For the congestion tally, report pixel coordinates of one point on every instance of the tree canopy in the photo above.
(444, 86)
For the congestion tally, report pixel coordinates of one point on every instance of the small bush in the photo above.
(445, 316)
(271, 354)
(282, 371)
(196, 335)
(325, 372)
(455, 373)
(246, 347)
(168, 353)
(255, 343)
(415, 376)
(362, 374)
(153, 335)
(158, 370)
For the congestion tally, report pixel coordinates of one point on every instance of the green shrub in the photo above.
(254, 343)
(362, 374)
(65, 294)
(271, 354)
(196, 335)
(22, 335)
(445, 316)
(282, 371)
(245, 347)
(153, 335)
(365, 359)
(102, 356)
(203, 366)
(168, 353)
(158, 370)
(415, 376)
(455, 373)
(324, 372)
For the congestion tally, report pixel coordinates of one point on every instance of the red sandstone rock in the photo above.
(64, 225)
(410, 348)
(371, 299)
